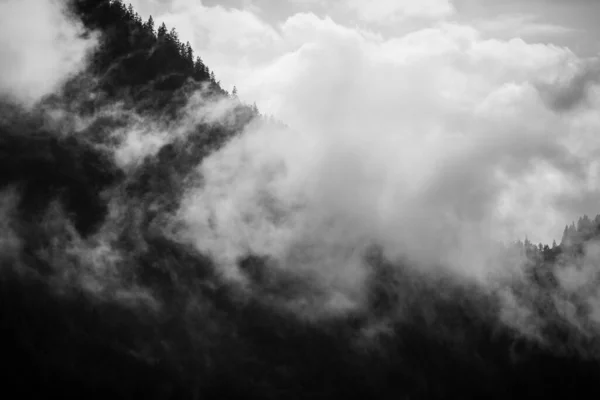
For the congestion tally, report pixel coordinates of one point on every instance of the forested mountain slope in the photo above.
(101, 298)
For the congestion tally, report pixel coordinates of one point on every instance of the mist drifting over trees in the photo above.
(162, 239)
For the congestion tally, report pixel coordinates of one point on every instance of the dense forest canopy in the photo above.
(105, 293)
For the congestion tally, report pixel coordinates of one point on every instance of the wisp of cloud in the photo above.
(41, 46)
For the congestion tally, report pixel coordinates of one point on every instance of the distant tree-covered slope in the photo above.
(138, 58)
(143, 63)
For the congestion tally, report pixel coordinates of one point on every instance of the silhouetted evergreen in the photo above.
(135, 61)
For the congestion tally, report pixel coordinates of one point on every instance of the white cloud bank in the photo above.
(434, 144)
(386, 11)
(524, 25)
(40, 47)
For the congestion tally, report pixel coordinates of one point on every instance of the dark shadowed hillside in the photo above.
(102, 295)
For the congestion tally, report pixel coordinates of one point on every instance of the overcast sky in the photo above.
(499, 96)
(235, 36)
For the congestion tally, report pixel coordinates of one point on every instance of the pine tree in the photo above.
(149, 25)
(189, 53)
(234, 91)
(173, 36)
(162, 31)
(121, 7)
(565, 235)
(585, 226)
(199, 70)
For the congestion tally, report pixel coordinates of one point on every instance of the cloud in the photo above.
(143, 137)
(386, 11)
(436, 145)
(40, 47)
(522, 25)
(573, 90)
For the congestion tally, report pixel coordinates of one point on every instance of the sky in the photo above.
(571, 23)
(237, 36)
